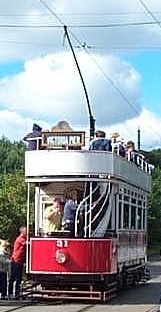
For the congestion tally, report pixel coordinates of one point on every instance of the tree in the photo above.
(154, 211)
(13, 194)
(154, 157)
(11, 156)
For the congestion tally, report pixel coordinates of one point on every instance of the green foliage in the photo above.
(154, 212)
(13, 188)
(154, 157)
(11, 156)
(12, 203)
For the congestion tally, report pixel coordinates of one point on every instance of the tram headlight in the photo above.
(61, 257)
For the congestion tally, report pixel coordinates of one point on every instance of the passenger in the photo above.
(117, 145)
(4, 267)
(131, 153)
(121, 147)
(29, 138)
(53, 217)
(100, 142)
(70, 207)
(18, 259)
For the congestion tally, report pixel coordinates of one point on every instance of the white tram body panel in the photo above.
(60, 163)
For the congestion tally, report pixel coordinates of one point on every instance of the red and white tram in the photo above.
(109, 251)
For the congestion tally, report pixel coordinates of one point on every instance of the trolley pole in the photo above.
(91, 118)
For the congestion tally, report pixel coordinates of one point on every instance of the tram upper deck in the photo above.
(51, 165)
(60, 155)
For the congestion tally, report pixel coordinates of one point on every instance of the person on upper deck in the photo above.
(117, 143)
(100, 143)
(131, 153)
(29, 138)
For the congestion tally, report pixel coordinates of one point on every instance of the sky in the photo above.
(118, 47)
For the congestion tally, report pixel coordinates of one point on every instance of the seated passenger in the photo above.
(29, 138)
(53, 217)
(100, 142)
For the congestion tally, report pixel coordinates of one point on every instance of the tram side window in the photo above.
(120, 215)
(139, 218)
(126, 216)
(144, 219)
(133, 217)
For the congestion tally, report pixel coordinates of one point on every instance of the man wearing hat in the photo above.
(33, 138)
(100, 143)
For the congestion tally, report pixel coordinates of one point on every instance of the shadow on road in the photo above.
(148, 293)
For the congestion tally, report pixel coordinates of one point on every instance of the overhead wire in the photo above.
(78, 14)
(110, 25)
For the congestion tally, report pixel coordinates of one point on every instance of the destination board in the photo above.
(58, 139)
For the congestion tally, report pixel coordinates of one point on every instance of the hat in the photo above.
(100, 133)
(36, 127)
(130, 143)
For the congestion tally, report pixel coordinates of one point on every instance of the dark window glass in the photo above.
(133, 217)
(126, 216)
(119, 225)
(139, 218)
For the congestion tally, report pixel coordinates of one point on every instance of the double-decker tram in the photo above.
(105, 248)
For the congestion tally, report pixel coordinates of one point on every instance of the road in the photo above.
(142, 298)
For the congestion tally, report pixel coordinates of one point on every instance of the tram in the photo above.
(108, 249)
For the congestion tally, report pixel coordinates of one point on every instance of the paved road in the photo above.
(142, 298)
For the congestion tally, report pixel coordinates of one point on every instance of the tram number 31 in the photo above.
(61, 243)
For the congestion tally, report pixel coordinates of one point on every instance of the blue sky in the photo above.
(39, 81)
(11, 68)
(148, 64)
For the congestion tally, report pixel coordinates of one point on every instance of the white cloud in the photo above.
(50, 88)
(14, 126)
(149, 125)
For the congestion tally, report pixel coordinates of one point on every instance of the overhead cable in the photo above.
(81, 25)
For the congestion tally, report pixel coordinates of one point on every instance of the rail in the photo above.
(134, 157)
(99, 199)
(83, 204)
